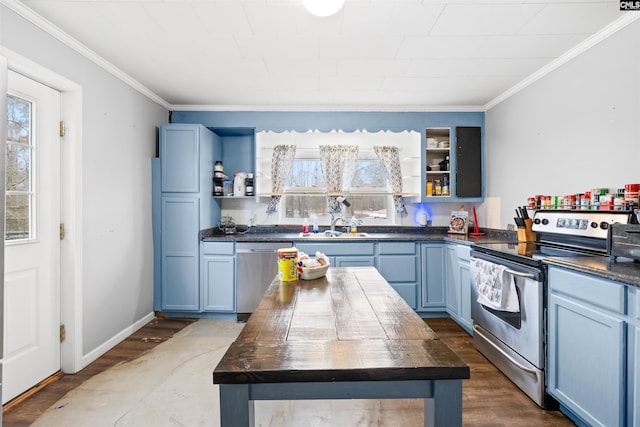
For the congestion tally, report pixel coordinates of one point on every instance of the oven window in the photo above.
(513, 319)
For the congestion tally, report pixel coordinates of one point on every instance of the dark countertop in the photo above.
(289, 234)
(351, 313)
(623, 270)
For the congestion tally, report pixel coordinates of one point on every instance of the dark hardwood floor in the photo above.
(489, 398)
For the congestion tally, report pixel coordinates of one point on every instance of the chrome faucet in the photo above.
(334, 220)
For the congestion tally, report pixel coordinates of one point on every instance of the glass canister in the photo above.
(227, 188)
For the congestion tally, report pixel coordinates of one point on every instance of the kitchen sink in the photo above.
(328, 234)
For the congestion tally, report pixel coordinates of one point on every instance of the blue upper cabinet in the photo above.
(464, 131)
(453, 164)
(180, 157)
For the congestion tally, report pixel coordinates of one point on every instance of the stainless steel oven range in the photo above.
(514, 340)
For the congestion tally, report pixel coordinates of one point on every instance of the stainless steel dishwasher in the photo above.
(256, 269)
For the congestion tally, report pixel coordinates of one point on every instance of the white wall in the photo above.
(575, 129)
(118, 141)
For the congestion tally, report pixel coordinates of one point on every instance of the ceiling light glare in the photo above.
(323, 7)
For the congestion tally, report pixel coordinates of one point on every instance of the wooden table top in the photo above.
(348, 326)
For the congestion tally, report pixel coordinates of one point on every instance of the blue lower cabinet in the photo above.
(432, 289)
(465, 295)
(218, 277)
(452, 282)
(634, 398)
(587, 347)
(398, 263)
(344, 254)
(457, 279)
(180, 257)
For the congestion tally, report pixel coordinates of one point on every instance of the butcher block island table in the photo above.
(348, 335)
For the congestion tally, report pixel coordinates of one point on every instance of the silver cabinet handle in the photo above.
(515, 362)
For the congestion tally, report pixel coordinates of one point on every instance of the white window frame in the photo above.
(308, 143)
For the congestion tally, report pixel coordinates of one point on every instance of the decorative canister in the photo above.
(288, 264)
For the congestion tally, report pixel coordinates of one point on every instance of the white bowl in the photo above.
(435, 167)
(311, 273)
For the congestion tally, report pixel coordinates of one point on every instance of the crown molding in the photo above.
(606, 32)
(333, 108)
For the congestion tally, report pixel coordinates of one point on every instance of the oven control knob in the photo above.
(594, 224)
(545, 221)
(536, 221)
(604, 225)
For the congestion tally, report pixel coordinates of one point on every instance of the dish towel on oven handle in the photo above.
(496, 286)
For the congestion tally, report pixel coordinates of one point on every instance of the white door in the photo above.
(32, 236)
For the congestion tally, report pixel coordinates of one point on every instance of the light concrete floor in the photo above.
(172, 386)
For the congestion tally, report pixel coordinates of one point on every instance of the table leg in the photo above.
(445, 409)
(236, 410)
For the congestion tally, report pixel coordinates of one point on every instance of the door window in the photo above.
(20, 182)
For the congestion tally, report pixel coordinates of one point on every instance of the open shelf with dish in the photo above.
(438, 162)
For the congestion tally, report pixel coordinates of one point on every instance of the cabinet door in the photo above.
(465, 294)
(452, 281)
(180, 257)
(635, 403)
(432, 296)
(218, 283)
(398, 268)
(180, 158)
(586, 361)
(401, 271)
(468, 162)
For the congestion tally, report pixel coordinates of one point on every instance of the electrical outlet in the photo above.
(511, 227)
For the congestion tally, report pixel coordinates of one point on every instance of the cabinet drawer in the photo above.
(398, 268)
(590, 289)
(336, 249)
(218, 248)
(464, 252)
(395, 248)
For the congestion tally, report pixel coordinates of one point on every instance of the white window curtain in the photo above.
(390, 158)
(281, 160)
(338, 166)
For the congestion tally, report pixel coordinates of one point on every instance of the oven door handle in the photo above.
(517, 273)
(511, 359)
(510, 271)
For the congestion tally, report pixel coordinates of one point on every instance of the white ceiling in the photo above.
(372, 55)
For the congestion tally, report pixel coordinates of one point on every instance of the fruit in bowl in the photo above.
(312, 268)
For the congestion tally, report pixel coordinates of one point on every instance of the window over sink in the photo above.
(369, 194)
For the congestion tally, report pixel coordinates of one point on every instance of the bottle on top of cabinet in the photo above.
(248, 184)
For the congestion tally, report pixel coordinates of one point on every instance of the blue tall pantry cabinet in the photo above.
(185, 206)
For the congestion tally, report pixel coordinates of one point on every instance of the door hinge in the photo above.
(62, 333)
(61, 231)
(62, 128)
